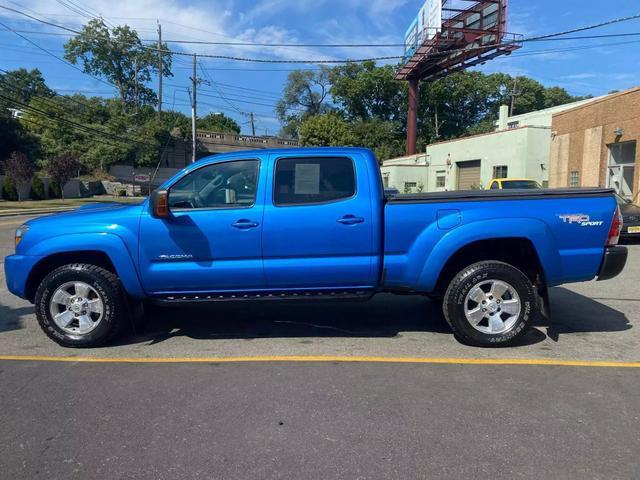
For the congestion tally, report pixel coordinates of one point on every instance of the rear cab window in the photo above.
(313, 180)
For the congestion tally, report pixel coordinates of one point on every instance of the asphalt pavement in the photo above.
(317, 421)
(318, 418)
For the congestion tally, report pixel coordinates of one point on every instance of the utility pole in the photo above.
(513, 96)
(135, 70)
(194, 87)
(253, 125)
(159, 70)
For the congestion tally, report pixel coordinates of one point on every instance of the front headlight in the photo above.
(20, 233)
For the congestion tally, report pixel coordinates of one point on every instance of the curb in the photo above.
(17, 213)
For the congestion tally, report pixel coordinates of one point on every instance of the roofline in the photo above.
(543, 127)
(581, 103)
(600, 100)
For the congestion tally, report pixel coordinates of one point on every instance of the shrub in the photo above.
(9, 191)
(63, 168)
(54, 190)
(37, 188)
(20, 170)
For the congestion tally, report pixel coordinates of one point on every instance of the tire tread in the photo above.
(457, 281)
(117, 299)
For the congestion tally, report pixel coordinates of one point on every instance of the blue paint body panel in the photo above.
(400, 243)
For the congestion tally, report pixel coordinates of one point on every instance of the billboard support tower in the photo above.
(412, 115)
(443, 40)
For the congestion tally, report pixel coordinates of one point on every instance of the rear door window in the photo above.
(313, 180)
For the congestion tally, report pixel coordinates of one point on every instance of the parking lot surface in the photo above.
(320, 418)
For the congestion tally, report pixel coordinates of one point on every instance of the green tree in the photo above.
(63, 168)
(218, 122)
(554, 96)
(304, 95)
(19, 169)
(385, 138)
(22, 85)
(326, 130)
(366, 91)
(14, 136)
(119, 56)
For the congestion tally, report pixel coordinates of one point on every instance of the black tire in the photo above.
(455, 303)
(107, 286)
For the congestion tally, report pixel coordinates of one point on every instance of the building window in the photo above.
(574, 179)
(512, 125)
(440, 179)
(622, 158)
(409, 186)
(500, 171)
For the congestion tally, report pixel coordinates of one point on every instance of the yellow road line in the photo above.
(329, 358)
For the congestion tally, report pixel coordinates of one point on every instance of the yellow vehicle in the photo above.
(504, 183)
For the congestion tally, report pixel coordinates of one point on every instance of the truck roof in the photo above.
(306, 151)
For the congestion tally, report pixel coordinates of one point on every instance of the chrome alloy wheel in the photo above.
(492, 306)
(76, 307)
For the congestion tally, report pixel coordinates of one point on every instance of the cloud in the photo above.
(264, 21)
(580, 76)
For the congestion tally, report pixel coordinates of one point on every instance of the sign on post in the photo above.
(142, 177)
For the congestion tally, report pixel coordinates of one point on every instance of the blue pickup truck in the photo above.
(313, 224)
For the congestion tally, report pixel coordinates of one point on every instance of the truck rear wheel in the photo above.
(490, 304)
(80, 305)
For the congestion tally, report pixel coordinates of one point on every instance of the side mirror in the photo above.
(159, 203)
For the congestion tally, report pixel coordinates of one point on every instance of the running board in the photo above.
(240, 296)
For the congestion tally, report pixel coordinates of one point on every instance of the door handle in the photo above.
(245, 224)
(350, 220)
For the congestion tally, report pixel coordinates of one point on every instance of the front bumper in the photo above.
(16, 272)
(613, 262)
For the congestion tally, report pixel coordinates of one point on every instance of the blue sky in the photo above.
(607, 64)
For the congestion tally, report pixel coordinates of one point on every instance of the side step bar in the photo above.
(284, 295)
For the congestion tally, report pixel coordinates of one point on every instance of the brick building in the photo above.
(595, 144)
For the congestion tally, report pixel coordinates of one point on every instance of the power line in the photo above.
(320, 61)
(243, 101)
(97, 139)
(61, 109)
(58, 118)
(572, 49)
(213, 83)
(266, 93)
(236, 95)
(52, 54)
(312, 45)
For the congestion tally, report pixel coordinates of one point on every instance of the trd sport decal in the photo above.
(580, 218)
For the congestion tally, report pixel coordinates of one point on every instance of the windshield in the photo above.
(520, 184)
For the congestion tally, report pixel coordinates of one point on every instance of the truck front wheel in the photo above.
(80, 305)
(490, 304)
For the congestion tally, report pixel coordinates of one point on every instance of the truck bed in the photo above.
(483, 195)
(566, 227)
